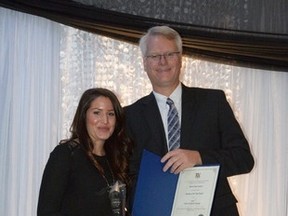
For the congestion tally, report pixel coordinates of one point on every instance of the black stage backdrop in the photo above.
(260, 50)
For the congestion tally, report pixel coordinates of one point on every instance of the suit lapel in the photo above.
(153, 118)
(189, 110)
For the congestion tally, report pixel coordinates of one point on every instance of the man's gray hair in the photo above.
(164, 31)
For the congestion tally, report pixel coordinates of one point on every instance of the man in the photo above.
(209, 132)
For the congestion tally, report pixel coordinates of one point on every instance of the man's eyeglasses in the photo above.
(168, 56)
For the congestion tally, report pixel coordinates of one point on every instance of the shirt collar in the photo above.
(175, 96)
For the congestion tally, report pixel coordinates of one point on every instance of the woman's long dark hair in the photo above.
(118, 146)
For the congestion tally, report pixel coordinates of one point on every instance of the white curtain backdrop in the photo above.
(45, 67)
(29, 107)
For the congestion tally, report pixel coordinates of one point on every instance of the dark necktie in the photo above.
(173, 126)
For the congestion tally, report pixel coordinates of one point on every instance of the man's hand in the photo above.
(179, 159)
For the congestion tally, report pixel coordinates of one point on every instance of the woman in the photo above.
(82, 168)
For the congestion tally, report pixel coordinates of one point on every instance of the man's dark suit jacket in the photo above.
(208, 125)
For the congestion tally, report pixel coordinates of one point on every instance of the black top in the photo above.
(71, 185)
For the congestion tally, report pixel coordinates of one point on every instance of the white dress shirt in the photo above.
(176, 96)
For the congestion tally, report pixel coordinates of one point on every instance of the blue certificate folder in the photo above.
(155, 189)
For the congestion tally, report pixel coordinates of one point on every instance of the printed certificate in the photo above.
(195, 191)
